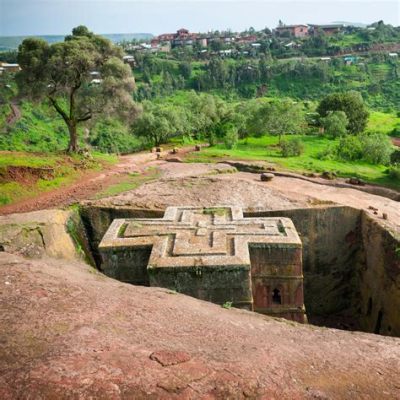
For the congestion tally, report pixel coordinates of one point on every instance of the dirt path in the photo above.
(14, 115)
(88, 185)
(196, 183)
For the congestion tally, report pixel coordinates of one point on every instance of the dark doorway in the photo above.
(369, 308)
(378, 322)
(276, 297)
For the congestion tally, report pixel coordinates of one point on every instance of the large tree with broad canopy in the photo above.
(82, 77)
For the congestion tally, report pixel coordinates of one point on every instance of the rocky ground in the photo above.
(209, 184)
(69, 332)
(205, 184)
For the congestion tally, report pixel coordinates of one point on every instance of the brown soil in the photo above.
(15, 114)
(89, 184)
(27, 175)
(68, 332)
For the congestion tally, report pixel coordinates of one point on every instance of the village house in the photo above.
(203, 42)
(247, 39)
(10, 67)
(294, 30)
(329, 30)
(182, 37)
(165, 37)
(349, 59)
(129, 60)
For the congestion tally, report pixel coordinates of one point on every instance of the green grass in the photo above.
(266, 149)
(40, 129)
(68, 169)
(22, 159)
(380, 122)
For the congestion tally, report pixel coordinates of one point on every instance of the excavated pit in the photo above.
(351, 263)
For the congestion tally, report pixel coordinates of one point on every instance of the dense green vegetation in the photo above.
(41, 129)
(284, 104)
(375, 77)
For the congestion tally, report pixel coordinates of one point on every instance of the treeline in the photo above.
(209, 118)
(377, 78)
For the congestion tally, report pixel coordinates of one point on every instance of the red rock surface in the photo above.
(68, 332)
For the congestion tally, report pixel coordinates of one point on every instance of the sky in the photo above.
(45, 17)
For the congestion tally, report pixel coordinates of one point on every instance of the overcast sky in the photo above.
(30, 17)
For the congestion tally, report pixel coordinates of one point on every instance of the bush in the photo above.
(335, 123)
(231, 139)
(394, 172)
(350, 148)
(395, 132)
(395, 157)
(291, 148)
(329, 153)
(376, 148)
(110, 136)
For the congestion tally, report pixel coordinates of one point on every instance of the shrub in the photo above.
(395, 132)
(329, 153)
(231, 139)
(395, 157)
(350, 148)
(394, 172)
(291, 148)
(376, 148)
(110, 136)
(335, 123)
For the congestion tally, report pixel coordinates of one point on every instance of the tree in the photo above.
(185, 69)
(216, 45)
(352, 104)
(335, 123)
(377, 148)
(159, 122)
(279, 118)
(80, 77)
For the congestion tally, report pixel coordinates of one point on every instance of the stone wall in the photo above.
(97, 219)
(331, 245)
(380, 279)
(350, 261)
(218, 285)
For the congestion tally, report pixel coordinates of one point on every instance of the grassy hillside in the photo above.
(21, 173)
(266, 149)
(41, 129)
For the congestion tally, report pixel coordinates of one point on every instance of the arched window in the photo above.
(276, 296)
